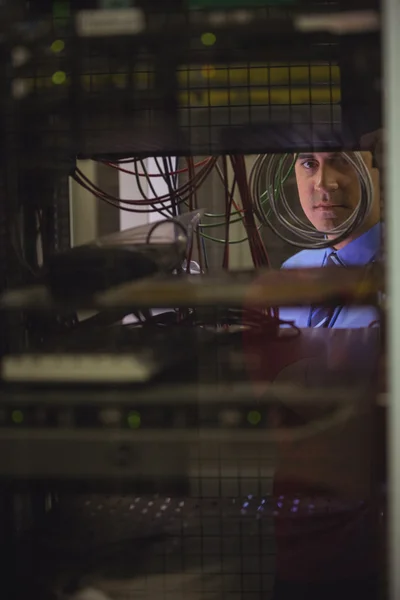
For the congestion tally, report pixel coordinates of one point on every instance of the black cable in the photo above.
(165, 174)
(115, 203)
(172, 169)
(187, 189)
(171, 189)
(153, 191)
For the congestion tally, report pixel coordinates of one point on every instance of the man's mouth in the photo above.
(328, 207)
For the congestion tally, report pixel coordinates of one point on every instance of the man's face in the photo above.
(328, 187)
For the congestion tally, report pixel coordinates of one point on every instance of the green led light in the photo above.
(57, 46)
(59, 78)
(208, 39)
(134, 420)
(17, 416)
(254, 417)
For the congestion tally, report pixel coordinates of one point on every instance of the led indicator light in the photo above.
(208, 39)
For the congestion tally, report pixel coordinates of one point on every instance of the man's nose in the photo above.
(326, 179)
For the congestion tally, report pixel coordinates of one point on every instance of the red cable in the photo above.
(228, 208)
(257, 249)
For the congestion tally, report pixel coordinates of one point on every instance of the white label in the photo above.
(97, 368)
(339, 23)
(99, 23)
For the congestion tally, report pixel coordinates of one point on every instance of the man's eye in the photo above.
(309, 164)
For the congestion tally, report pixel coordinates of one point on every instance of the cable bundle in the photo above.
(169, 202)
(267, 181)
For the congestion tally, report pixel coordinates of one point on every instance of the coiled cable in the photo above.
(267, 184)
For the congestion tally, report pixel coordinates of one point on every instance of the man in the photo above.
(326, 554)
(329, 191)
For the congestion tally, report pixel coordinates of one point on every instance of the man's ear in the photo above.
(373, 142)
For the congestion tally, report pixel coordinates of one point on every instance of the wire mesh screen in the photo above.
(157, 546)
(213, 99)
(226, 97)
(195, 82)
(219, 542)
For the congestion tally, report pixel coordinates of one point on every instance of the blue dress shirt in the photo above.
(361, 251)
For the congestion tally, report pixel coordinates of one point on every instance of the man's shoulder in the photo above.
(305, 258)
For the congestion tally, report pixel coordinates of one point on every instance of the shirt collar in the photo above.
(363, 249)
